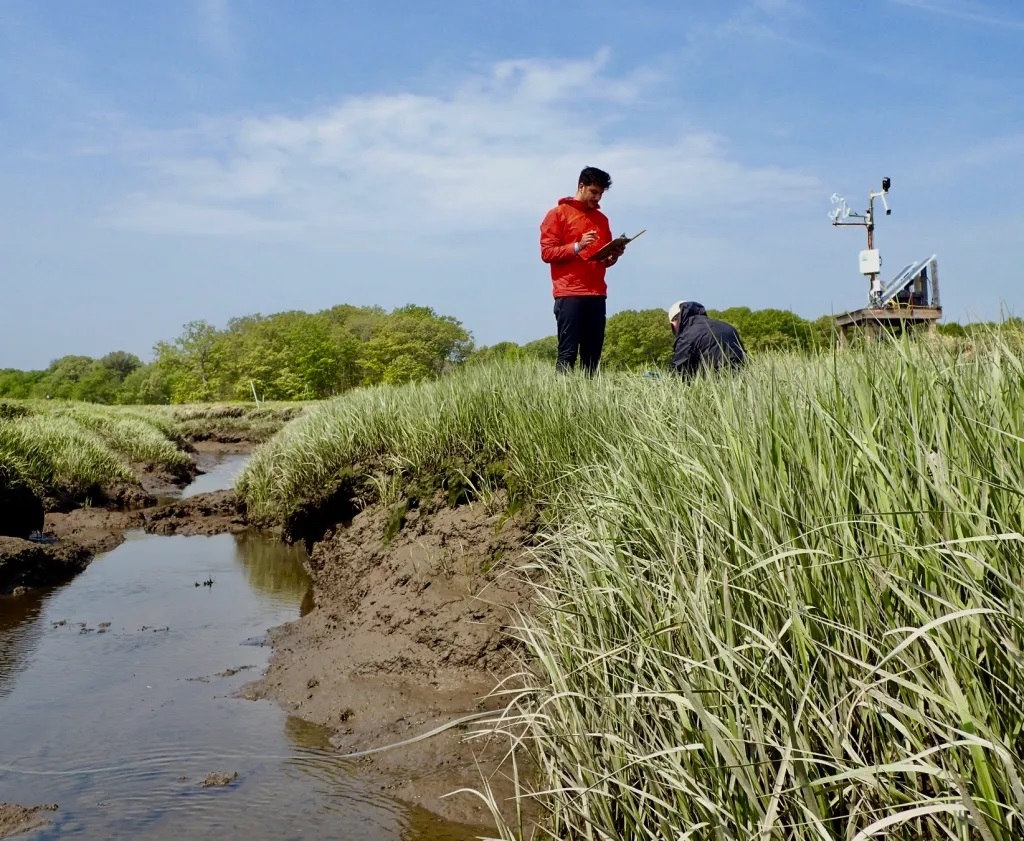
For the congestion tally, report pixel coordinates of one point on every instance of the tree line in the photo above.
(285, 356)
(297, 355)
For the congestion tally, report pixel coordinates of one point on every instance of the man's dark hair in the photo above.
(592, 175)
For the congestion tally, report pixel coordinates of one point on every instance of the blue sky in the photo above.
(204, 159)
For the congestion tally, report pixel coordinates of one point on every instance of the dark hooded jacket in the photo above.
(703, 341)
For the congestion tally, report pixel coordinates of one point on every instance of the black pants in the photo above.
(580, 320)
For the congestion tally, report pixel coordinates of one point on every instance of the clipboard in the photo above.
(607, 248)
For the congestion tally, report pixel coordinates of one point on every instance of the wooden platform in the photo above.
(874, 321)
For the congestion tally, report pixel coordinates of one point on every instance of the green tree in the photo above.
(100, 384)
(411, 343)
(637, 339)
(500, 351)
(189, 363)
(121, 363)
(769, 329)
(62, 378)
(145, 385)
(545, 350)
(405, 368)
(291, 355)
(19, 384)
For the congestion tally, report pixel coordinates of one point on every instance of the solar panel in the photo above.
(902, 280)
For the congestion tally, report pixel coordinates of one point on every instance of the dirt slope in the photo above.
(408, 635)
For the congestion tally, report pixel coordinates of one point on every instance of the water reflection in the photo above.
(307, 735)
(272, 567)
(220, 477)
(20, 632)
(421, 825)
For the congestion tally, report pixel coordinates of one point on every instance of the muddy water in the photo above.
(116, 702)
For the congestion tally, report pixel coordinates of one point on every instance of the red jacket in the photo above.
(573, 274)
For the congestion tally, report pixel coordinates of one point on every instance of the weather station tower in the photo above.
(909, 302)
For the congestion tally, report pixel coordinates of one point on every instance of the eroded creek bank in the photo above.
(408, 634)
(126, 691)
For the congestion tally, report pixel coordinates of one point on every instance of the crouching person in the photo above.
(702, 341)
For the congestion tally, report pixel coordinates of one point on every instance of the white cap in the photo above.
(675, 309)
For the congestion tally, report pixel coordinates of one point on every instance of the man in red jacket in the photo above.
(570, 234)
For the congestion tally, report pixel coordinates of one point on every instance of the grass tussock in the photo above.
(232, 422)
(55, 453)
(137, 438)
(781, 605)
(71, 449)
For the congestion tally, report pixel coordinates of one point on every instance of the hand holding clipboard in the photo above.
(615, 245)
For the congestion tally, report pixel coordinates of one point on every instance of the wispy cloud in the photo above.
(488, 153)
(760, 17)
(965, 10)
(213, 20)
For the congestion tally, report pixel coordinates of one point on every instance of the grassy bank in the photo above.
(229, 422)
(782, 605)
(73, 450)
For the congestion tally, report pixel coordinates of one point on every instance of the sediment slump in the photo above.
(410, 630)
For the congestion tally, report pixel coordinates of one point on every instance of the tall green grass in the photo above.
(783, 605)
(73, 448)
(138, 438)
(55, 453)
(237, 421)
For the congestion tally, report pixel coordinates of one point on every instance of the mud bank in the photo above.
(218, 512)
(25, 564)
(15, 820)
(408, 635)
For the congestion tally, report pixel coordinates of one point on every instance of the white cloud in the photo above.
(494, 150)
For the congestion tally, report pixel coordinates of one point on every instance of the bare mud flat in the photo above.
(15, 820)
(407, 636)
